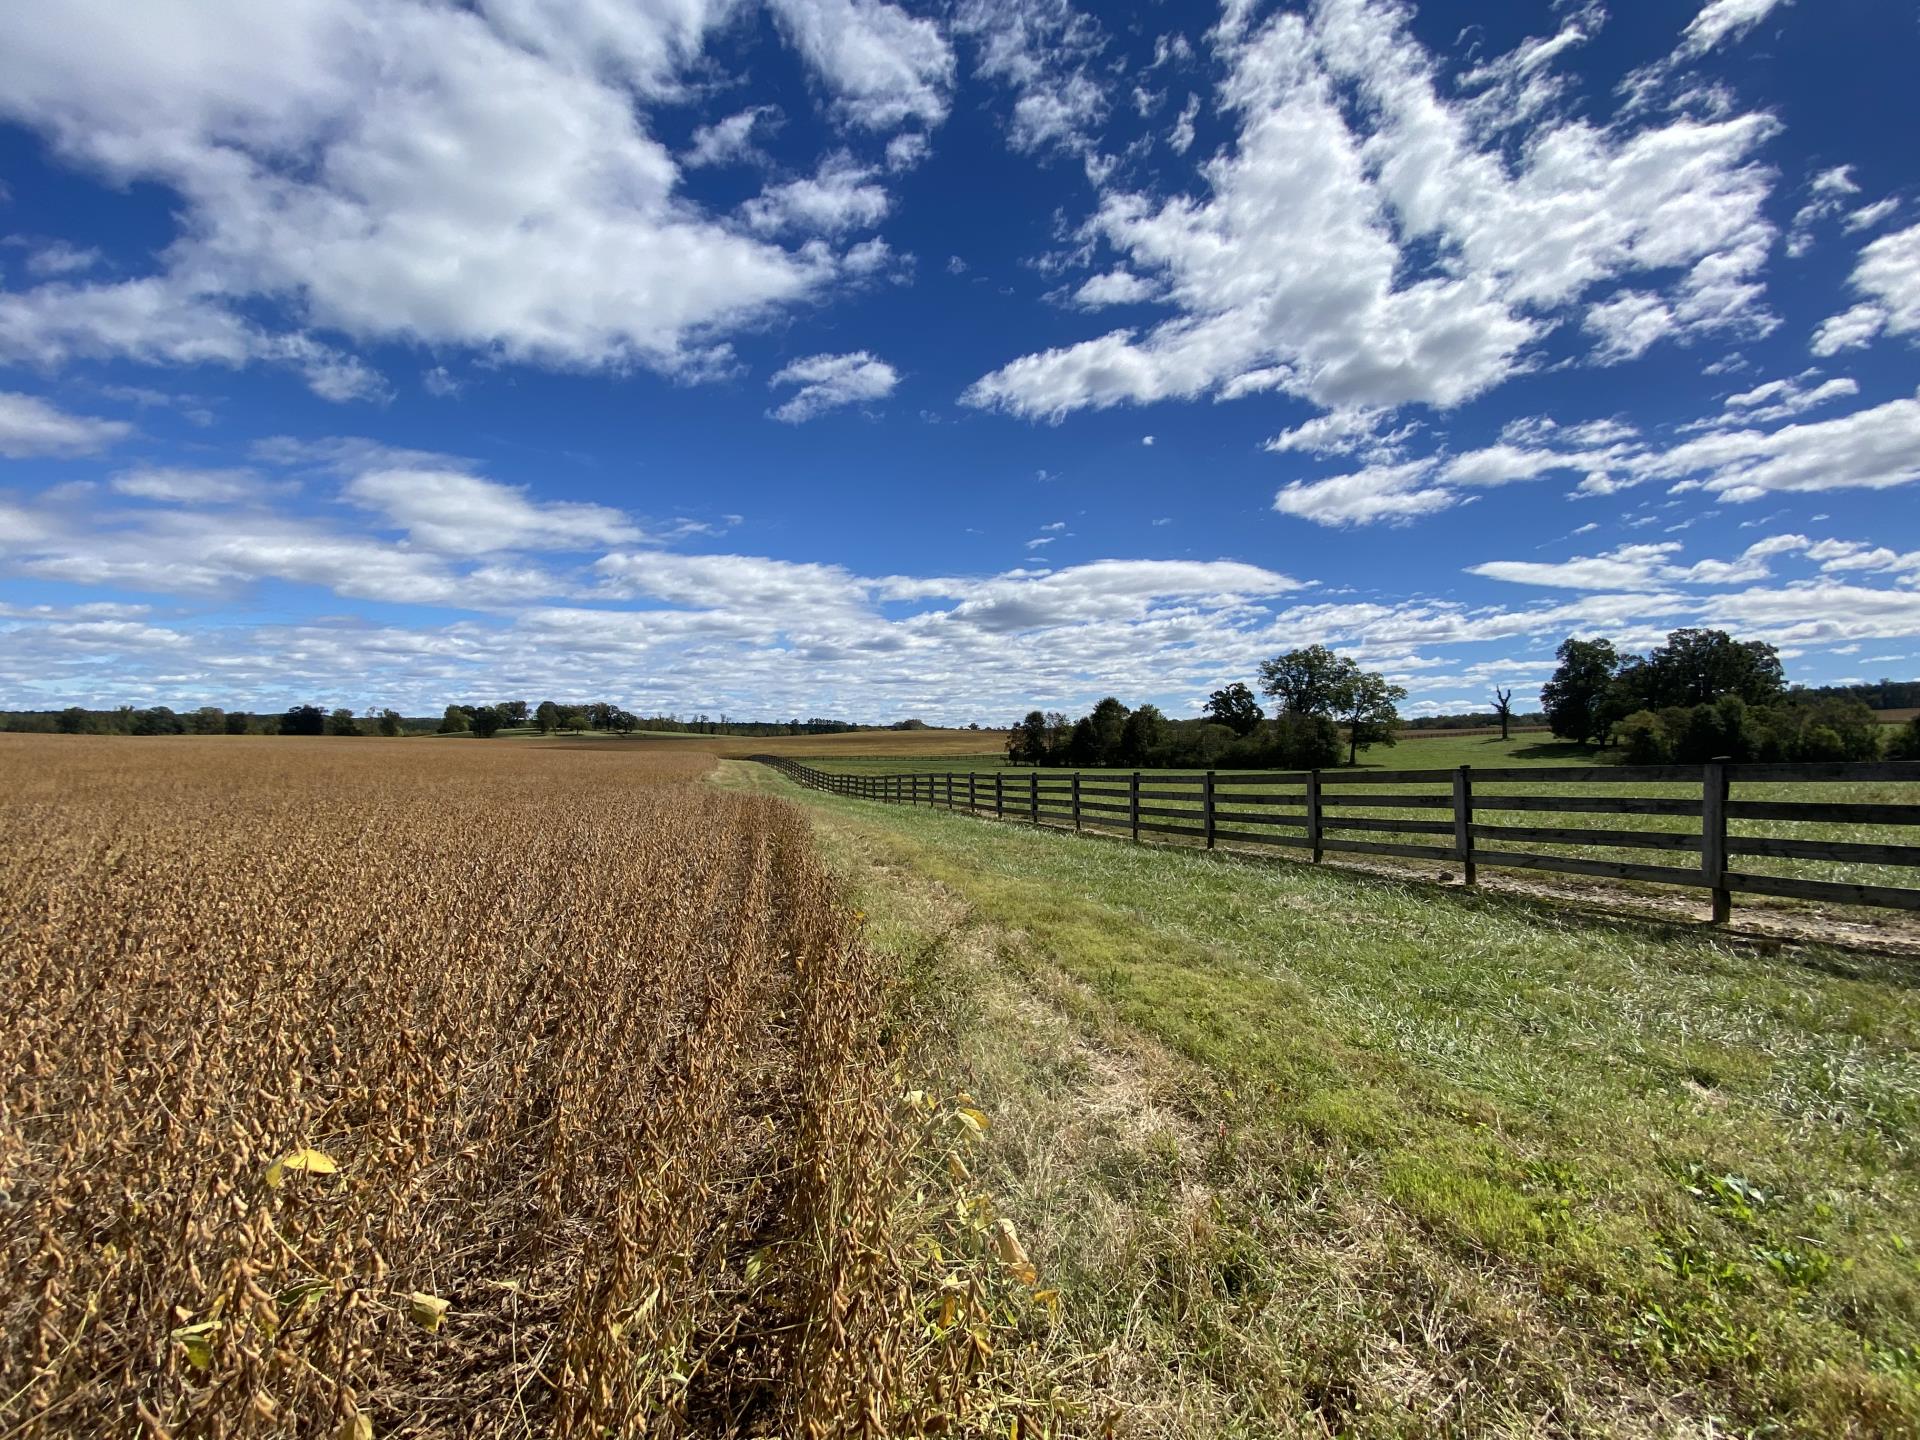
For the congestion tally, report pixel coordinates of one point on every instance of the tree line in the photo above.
(1705, 695)
(1324, 706)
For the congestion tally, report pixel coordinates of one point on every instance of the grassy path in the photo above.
(1310, 1153)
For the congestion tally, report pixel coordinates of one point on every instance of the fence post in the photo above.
(1313, 814)
(1713, 837)
(999, 796)
(1463, 821)
(1133, 805)
(1033, 797)
(949, 789)
(973, 804)
(1206, 808)
(1076, 799)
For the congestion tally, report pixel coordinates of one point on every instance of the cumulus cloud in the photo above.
(1888, 275)
(478, 176)
(828, 382)
(1294, 270)
(842, 195)
(882, 65)
(1116, 287)
(60, 258)
(31, 426)
(729, 140)
(462, 514)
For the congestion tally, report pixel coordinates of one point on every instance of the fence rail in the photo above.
(1312, 811)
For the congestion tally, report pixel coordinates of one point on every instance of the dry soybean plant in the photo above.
(361, 1088)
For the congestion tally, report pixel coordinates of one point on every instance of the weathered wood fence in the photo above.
(1311, 812)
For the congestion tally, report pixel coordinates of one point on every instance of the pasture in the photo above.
(1321, 1152)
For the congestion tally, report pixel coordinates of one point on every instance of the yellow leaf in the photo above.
(1011, 1253)
(305, 1160)
(427, 1311)
(355, 1427)
(197, 1342)
(1050, 1299)
(956, 1168)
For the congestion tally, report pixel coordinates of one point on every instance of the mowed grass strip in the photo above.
(1413, 1161)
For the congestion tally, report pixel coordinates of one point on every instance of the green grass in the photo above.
(1387, 1160)
(1530, 752)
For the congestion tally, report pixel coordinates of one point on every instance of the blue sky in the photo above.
(865, 359)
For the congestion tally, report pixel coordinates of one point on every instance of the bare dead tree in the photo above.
(1503, 703)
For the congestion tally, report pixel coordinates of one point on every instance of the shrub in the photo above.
(1645, 739)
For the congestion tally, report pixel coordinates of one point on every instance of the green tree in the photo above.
(207, 720)
(547, 717)
(1576, 699)
(513, 713)
(158, 720)
(1306, 681)
(1698, 667)
(1368, 706)
(1027, 741)
(1234, 707)
(1109, 721)
(238, 722)
(484, 721)
(1905, 742)
(74, 721)
(1083, 743)
(455, 720)
(304, 720)
(342, 722)
(1143, 735)
(390, 725)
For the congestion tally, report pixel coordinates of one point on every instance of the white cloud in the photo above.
(1294, 272)
(1641, 567)
(1868, 216)
(1042, 50)
(729, 141)
(842, 195)
(60, 258)
(30, 426)
(1848, 330)
(882, 65)
(1628, 325)
(907, 149)
(1116, 287)
(1888, 275)
(176, 485)
(457, 513)
(1180, 138)
(1146, 439)
(1872, 449)
(396, 170)
(829, 381)
(1836, 181)
(1721, 20)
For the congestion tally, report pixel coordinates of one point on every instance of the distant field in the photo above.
(877, 744)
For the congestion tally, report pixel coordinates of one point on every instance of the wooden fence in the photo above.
(1313, 812)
